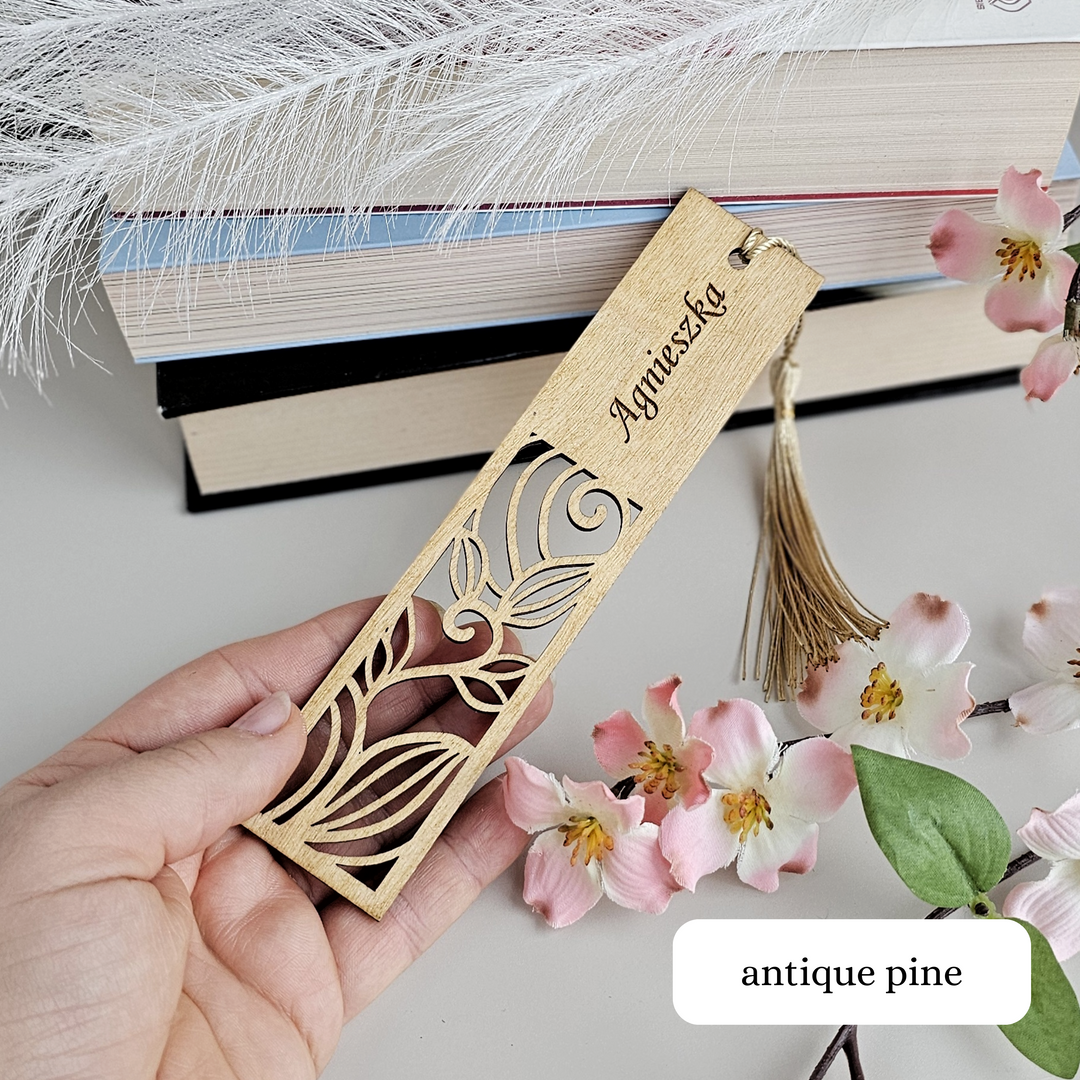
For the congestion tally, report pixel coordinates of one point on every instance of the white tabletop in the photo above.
(108, 583)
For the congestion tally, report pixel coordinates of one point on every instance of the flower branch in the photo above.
(844, 1038)
(984, 708)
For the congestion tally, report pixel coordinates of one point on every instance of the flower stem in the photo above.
(851, 1052)
(1070, 217)
(1071, 330)
(845, 1036)
(1021, 862)
(990, 707)
(840, 1041)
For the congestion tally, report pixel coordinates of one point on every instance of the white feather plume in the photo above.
(502, 98)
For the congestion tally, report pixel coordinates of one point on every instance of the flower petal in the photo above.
(1047, 707)
(656, 806)
(886, 737)
(761, 857)
(924, 631)
(617, 743)
(1054, 361)
(695, 757)
(560, 892)
(743, 740)
(1052, 630)
(933, 710)
(697, 842)
(534, 800)
(1032, 304)
(964, 248)
(1052, 906)
(814, 780)
(804, 860)
(830, 696)
(1026, 211)
(661, 711)
(636, 874)
(596, 799)
(1054, 835)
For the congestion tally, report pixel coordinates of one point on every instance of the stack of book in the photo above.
(320, 352)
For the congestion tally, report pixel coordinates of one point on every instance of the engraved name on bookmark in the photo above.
(531, 548)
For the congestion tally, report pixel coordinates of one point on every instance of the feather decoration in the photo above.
(196, 104)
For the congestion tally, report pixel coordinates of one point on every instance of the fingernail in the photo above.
(268, 716)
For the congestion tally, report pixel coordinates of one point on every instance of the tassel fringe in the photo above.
(807, 610)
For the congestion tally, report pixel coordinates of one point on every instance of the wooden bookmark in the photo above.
(533, 545)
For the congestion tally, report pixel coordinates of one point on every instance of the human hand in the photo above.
(144, 934)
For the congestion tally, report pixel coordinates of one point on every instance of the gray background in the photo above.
(107, 583)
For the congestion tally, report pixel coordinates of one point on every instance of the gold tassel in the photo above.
(807, 610)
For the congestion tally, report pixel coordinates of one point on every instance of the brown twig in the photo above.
(845, 1037)
(851, 1052)
(840, 1040)
(1002, 705)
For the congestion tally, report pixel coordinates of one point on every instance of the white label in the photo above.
(851, 971)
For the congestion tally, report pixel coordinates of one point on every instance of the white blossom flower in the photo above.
(1052, 636)
(904, 695)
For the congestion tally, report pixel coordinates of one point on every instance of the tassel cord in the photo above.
(807, 610)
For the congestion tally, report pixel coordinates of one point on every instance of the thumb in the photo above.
(160, 806)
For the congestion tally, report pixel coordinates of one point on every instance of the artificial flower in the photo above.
(590, 843)
(1054, 361)
(1053, 904)
(905, 694)
(1023, 250)
(670, 763)
(1052, 636)
(766, 806)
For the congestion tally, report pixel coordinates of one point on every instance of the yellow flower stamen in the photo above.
(1019, 253)
(655, 767)
(882, 697)
(746, 812)
(583, 829)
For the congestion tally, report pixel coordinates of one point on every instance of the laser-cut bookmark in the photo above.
(606, 444)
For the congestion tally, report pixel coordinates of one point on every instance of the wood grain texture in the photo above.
(609, 439)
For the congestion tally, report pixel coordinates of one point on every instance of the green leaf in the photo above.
(1073, 250)
(943, 836)
(1049, 1033)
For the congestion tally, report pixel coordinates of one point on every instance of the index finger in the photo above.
(215, 689)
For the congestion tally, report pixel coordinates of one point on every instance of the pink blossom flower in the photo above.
(1053, 904)
(1052, 636)
(668, 764)
(905, 694)
(1054, 361)
(765, 810)
(1023, 251)
(590, 843)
